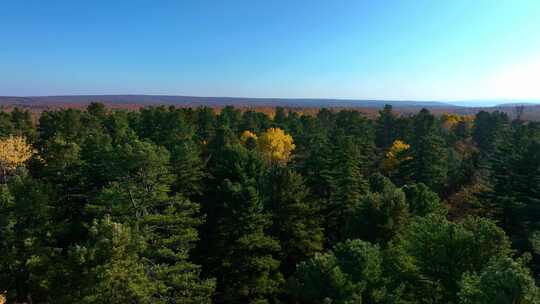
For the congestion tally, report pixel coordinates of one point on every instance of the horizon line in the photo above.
(288, 98)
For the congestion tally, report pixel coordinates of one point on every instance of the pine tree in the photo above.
(141, 198)
(433, 253)
(514, 198)
(118, 272)
(502, 281)
(25, 225)
(350, 273)
(489, 130)
(164, 126)
(206, 123)
(230, 117)
(22, 124)
(385, 128)
(188, 167)
(427, 158)
(347, 185)
(422, 201)
(172, 233)
(6, 125)
(295, 221)
(381, 214)
(239, 251)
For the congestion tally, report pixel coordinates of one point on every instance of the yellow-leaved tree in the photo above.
(275, 145)
(248, 139)
(394, 156)
(246, 136)
(449, 121)
(14, 151)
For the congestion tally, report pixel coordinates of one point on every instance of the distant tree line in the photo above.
(169, 205)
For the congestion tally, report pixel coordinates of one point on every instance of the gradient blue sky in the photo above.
(417, 49)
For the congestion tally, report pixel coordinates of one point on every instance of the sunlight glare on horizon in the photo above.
(518, 81)
(456, 50)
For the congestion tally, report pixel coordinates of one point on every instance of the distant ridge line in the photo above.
(216, 101)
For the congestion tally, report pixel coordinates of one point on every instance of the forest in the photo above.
(192, 205)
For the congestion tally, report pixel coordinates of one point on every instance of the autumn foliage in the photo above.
(194, 206)
(14, 151)
(275, 145)
(247, 136)
(395, 156)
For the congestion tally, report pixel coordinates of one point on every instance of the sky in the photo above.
(459, 50)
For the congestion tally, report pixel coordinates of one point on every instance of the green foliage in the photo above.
(25, 223)
(172, 232)
(346, 186)
(141, 198)
(427, 158)
(240, 253)
(295, 221)
(489, 129)
(350, 273)
(119, 273)
(386, 128)
(422, 201)
(433, 254)
(169, 205)
(188, 167)
(164, 126)
(502, 281)
(381, 214)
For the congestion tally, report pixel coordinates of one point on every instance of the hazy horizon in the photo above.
(462, 103)
(456, 52)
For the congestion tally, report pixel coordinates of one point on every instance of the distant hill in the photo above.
(515, 104)
(494, 103)
(213, 101)
(37, 104)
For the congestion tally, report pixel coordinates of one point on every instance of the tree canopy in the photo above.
(200, 205)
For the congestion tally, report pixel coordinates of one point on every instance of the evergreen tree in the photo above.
(385, 128)
(25, 243)
(350, 273)
(295, 221)
(347, 185)
(172, 232)
(514, 198)
(489, 130)
(280, 117)
(66, 124)
(117, 271)
(381, 214)
(255, 121)
(141, 198)
(206, 123)
(422, 201)
(433, 254)
(230, 117)
(188, 167)
(164, 126)
(427, 161)
(239, 251)
(22, 124)
(502, 281)
(6, 125)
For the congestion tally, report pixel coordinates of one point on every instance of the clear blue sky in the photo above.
(417, 49)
